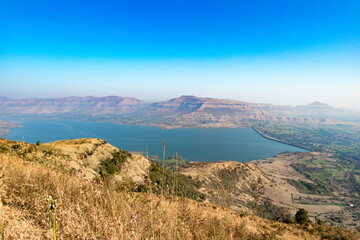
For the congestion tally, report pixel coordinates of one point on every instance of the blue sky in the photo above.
(282, 52)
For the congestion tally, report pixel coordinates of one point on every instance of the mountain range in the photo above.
(184, 111)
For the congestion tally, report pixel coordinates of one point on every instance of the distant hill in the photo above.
(312, 110)
(69, 106)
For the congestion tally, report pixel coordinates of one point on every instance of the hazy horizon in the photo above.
(283, 53)
(159, 100)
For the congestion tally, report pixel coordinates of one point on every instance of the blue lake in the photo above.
(194, 144)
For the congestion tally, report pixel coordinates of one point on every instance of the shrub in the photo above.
(302, 217)
(108, 168)
(15, 147)
(113, 165)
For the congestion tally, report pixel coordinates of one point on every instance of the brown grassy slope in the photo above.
(81, 157)
(233, 184)
(88, 210)
(227, 183)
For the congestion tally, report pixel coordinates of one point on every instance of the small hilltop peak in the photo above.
(318, 104)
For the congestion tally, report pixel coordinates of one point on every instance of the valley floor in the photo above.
(326, 200)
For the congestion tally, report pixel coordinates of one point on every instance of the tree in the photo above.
(302, 216)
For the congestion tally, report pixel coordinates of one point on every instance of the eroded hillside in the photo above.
(282, 185)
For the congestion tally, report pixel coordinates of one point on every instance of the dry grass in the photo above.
(89, 210)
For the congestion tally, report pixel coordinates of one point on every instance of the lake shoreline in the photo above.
(6, 126)
(278, 140)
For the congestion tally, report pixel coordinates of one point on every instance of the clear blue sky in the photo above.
(282, 52)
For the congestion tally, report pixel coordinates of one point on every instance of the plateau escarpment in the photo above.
(190, 111)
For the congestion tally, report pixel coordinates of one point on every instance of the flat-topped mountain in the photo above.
(205, 112)
(208, 106)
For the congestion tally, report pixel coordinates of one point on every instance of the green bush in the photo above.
(108, 167)
(15, 147)
(302, 217)
(113, 165)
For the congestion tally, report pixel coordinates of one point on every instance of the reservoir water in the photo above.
(193, 144)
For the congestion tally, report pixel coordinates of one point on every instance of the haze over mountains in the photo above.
(80, 105)
(314, 110)
(184, 111)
